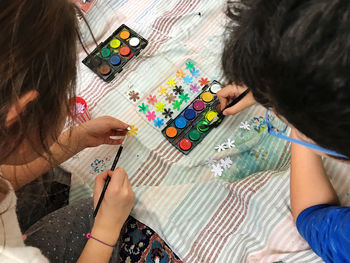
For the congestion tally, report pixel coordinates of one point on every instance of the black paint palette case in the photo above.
(111, 56)
(191, 126)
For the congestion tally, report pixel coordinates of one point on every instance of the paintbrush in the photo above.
(220, 115)
(108, 177)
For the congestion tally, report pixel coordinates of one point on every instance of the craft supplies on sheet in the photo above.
(187, 130)
(242, 215)
(112, 55)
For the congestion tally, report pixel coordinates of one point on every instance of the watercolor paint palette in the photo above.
(191, 126)
(112, 55)
(171, 96)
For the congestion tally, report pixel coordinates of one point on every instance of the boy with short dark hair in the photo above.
(294, 56)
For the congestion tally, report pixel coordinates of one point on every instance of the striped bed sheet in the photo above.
(242, 216)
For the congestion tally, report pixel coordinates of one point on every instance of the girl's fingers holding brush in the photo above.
(117, 202)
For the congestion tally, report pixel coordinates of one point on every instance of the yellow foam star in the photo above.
(180, 74)
(171, 82)
(132, 131)
(160, 106)
(163, 90)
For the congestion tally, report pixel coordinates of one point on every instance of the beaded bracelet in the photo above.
(88, 236)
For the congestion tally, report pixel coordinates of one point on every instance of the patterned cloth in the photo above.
(61, 237)
(139, 243)
(242, 216)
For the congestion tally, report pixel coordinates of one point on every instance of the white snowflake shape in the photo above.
(226, 163)
(210, 162)
(220, 147)
(217, 169)
(244, 125)
(230, 144)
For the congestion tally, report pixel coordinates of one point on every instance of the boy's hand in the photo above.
(116, 204)
(98, 131)
(227, 94)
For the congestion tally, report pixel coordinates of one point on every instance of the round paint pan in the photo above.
(115, 60)
(180, 123)
(207, 97)
(171, 132)
(194, 135)
(115, 43)
(189, 114)
(134, 42)
(203, 126)
(185, 144)
(210, 115)
(104, 69)
(124, 34)
(124, 51)
(215, 88)
(198, 105)
(105, 52)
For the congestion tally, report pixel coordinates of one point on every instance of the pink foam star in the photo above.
(151, 115)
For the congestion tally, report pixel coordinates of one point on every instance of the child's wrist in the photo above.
(108, 235)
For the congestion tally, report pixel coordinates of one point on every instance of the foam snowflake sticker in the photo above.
(168, 113)
(160, 106)
(245, 125)
(132, 131)
(152, 99)
(194, 87)
(170, 97)
(171, 82)
(204, 81)
(184, 97)
(180, 74)
(163, 90)
(134, 96)
(79, 109)
(151, 115)
(217, 169)
(226, 163)
(210, 162)
(189, 65)
(177, 104)
(230, 144)
(194, 72)
(187, 79)
(178, 90)
(158, 122)
(143, 108)
(220, 147)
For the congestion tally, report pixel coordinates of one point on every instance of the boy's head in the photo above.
(295, 57)
(37, 72)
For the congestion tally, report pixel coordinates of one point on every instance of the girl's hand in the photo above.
(98, 131)
(227, 94)
(116, 204)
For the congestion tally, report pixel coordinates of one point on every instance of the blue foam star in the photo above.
(195, 72)
(187, 79)
(158, 122)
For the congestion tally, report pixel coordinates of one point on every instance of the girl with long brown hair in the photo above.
(37, 79)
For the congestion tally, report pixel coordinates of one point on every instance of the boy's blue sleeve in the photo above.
(327, 230)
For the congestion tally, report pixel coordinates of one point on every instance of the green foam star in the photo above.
(184, 97)
(143, 108)
(190, 65)
(177, 105)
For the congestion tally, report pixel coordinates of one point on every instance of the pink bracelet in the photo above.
(88, 235)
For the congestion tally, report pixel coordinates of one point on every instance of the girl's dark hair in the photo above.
(295, 57)
(37, 52)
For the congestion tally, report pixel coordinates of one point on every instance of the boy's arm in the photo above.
(309, 184)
